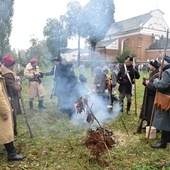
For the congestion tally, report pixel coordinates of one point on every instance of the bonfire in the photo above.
(99, 140)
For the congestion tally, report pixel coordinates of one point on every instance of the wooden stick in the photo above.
(26, 118)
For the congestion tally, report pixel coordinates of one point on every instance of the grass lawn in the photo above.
(59, 145)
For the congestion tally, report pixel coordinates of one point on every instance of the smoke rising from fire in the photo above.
(100, 111)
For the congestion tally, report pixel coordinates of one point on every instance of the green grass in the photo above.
(59, 145)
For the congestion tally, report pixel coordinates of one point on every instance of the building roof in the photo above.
(130, 25)
(160, 44)
(76, 49)
(104, 43)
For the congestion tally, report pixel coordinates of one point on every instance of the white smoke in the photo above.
(100, 111)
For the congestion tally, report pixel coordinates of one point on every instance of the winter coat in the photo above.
(60, 80)
(123, 80)
(71, 80)
(6, 126)
(161, 119)
(149, 96)
(13, 88)
(35, 87)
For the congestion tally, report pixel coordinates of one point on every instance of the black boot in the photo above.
(31, 105)
(40, 104)
(12, 155)
(163, 142)
(128, 108)
(121, 105)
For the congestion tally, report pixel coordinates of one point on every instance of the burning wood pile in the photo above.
(99, 140)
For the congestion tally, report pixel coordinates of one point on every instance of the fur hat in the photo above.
(154, 63)
(129, 58)
(57, 59)
(8, 60)
(33, 60)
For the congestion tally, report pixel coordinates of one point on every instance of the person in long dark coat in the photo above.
(125, 77)
(13, 86)
(161, 119)
(69, 86)
(60, 80)
(149, 93)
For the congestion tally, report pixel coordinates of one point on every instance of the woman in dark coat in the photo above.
(161, 119)
(149, 93)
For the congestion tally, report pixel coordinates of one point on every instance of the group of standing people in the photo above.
(105, 84)
(68, 89)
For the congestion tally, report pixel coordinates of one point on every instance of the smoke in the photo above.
(100, 111)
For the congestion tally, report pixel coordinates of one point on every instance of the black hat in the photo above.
(57, 59)
(82, 78)
(154, 63)
(129, 58)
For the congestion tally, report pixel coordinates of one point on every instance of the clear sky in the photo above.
(30, 16)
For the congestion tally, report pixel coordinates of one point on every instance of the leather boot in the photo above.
(163, 142)
(12, 155)
(40, 104)
(128, 108)
(31, 105)
(122, 105)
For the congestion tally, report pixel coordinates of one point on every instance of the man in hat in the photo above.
(162, 105)
(125, 78)
(13, 86)
(35, 88)
(6, 124)
(59, 77)
(149, 93)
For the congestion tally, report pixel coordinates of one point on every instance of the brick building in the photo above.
(144, 35)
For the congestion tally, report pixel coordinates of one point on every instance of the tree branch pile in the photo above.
(99, 140)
